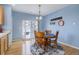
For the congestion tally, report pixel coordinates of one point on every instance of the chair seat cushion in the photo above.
(49, 34)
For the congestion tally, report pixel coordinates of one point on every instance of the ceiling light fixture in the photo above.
(39, 17)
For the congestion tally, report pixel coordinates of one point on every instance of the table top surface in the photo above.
(49, 36)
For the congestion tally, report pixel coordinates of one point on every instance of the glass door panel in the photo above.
(28, 28)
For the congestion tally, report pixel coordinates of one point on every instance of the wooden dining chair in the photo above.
(39, 39)
(47, 31)
(54, 40)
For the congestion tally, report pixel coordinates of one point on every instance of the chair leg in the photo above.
(55, 45)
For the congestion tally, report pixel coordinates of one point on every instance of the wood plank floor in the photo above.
(16, 49)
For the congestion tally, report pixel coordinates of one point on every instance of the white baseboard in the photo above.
(68, 45)
(58, 42)
(21, 39)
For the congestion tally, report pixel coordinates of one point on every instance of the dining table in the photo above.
(47, 38)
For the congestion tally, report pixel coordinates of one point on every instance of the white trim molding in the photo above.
(68, 45)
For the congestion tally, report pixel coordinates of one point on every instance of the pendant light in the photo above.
(39, 16)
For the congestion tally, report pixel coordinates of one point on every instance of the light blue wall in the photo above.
(43, 23)
(8, 21)
(18, 17)
(69, 33)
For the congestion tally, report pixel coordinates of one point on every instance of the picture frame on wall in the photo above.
(61, 22)
(53, 22)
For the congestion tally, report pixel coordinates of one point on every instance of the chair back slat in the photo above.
(56, 37)
(39, 38)
(39, 34)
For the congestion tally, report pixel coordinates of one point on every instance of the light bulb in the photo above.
(37, 17)
(40, 17)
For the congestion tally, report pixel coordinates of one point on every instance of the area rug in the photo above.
(35, 50)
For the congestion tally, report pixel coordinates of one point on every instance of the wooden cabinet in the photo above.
(6, 42)
(3, 44)
(1, 15)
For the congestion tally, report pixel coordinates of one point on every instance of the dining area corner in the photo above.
(46, 43)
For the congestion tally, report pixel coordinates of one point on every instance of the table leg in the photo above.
(46, 46)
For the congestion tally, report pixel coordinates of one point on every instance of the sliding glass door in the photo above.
(28, 28)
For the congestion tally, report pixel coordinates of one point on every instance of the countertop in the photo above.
(4, 33)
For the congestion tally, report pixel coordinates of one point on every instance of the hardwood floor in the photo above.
(16, 49)
(70, 51)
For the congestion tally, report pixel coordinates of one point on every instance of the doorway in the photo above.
(28, 27)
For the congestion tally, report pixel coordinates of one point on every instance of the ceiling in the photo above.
(34, 9)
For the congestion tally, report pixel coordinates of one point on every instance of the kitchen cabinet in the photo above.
(2, 51)
(3, 44)
(1, 15)
(6, 42)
